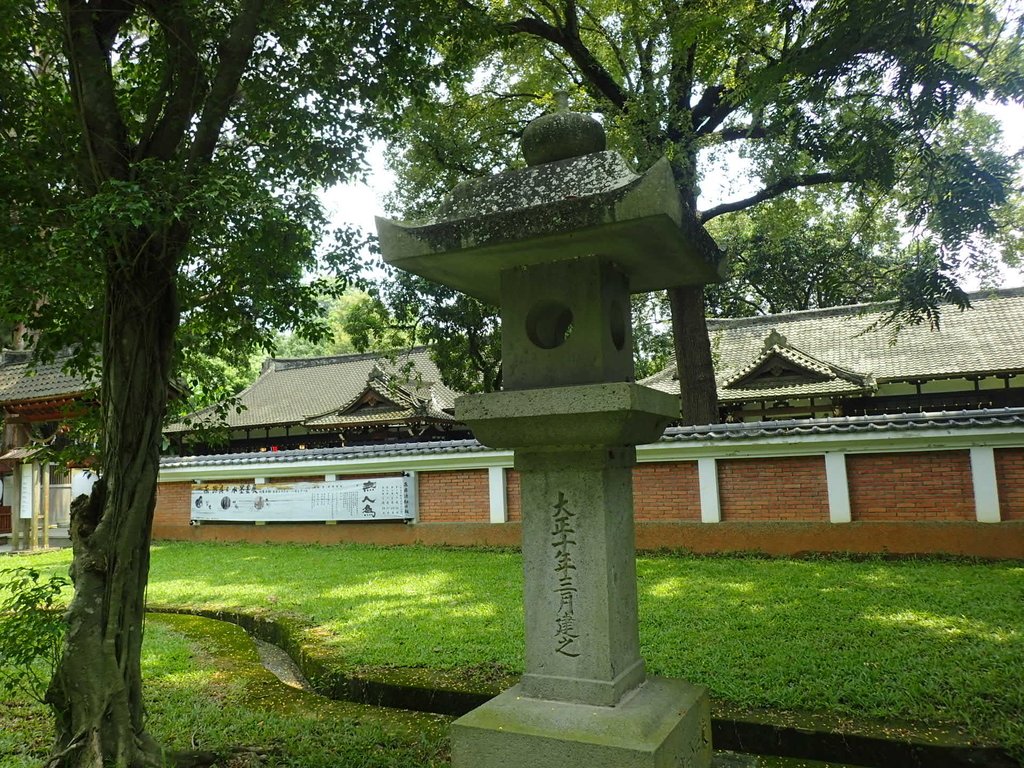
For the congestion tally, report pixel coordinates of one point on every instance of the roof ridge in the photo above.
(26, 358)
(291, 363)
(715, 323)
(885, 419)
(464, 445)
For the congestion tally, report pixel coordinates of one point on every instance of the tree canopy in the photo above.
(867, 97)
(337, 311)
(807, 250)
(160, 163)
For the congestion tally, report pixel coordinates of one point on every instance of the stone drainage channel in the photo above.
(739, 742)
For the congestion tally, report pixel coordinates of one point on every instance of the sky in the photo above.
(357, 203)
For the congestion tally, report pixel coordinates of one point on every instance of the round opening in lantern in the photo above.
(618, 325)
(548, 324)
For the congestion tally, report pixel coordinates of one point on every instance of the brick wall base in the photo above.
(383, 534)
(988, 541)
(984, 540)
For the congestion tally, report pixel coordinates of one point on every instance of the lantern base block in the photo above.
(664, 723)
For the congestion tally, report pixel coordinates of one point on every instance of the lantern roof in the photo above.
(590, 205)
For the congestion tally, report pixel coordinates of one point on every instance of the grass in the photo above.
(934, 642)
(205, 689)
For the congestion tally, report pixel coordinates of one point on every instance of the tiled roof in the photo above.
(783, 352)
(295, 390)
(374, 450)
(994, 419)
(834, 386)
(401, 401)
(819, 378)
(986, 339)
(1000, 417)
(376, 416)
(20, 381)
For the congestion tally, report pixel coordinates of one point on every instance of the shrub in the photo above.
(31, 630)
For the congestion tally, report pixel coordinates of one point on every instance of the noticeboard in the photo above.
(27, 483)
(382, 498)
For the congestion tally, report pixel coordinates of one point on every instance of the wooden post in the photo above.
(44, 470)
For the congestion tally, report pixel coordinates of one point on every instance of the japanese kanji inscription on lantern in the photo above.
(564, 540)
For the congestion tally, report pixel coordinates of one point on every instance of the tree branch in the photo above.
(708, 102)
(92, 87)
(716, 116)
(108, 18)
(645, 61)
(682, 62)
(572, 20)
(616, 50)
(536, 27)
(774, 190)
(156, 106)
(233, 56)
(736, 133)
(599, 81)
(570, 71)
(553, 9)
(185, 74)
(808, 60)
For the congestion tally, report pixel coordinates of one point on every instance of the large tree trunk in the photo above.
(96, 692)
(698, 395)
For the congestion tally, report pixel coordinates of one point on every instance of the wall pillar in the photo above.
(710, 506)
(986, 488)
(838, 488)
(414, 495)
(497, 494)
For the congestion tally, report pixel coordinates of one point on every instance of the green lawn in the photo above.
(925, 641)
(206, 690)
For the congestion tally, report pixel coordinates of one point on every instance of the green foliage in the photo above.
(652, 333)
(463, 334)
(338, 340)
(807, 251)
(864, 99)
(160, 165)
(31, 630)
(372, 328)
(238, 198)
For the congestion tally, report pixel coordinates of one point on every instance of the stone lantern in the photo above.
(560, 245)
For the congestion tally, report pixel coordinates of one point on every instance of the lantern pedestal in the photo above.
(663, 724)
(583, 700)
